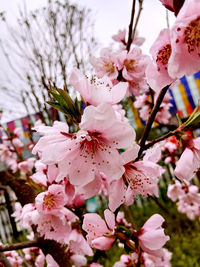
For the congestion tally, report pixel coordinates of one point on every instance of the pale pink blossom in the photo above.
(98, 231)
(154, 153)
(40, 177)
(189, 161)
(8, 157)
(151, 236)
(162, 260)
(157, 70)
(120, 36)
(92, 149)
(185, 41)
(137, 40)
(106, 64)
(25, 219)
(189, 203)
(56, 227)
(51, 201)
(78, 244)
(97, 91)
(14, 258)
(141, 101)
(26, 166)
(18, 211)
(133, 64)
(141, 177)
(120, 112)
(175, 191)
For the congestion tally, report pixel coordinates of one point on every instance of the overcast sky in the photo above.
(109, 16)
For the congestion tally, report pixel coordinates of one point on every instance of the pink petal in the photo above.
(110, 219)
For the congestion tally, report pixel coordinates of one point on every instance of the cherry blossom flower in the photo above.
(51, 201)
(97, 91)
(91, 150)
(175, 191)
(185, 41)
(8, 157)
(189, 161)
(133, 65)
(106, 64)
(56, 227)
(151, 236)
(157, 70)
(190, 204)
(98, 231)
(141, 176)
(162, 260)
(40, 177)
(26, 166)
(78, 244)
(120, 36)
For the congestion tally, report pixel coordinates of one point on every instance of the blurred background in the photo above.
(43, 40)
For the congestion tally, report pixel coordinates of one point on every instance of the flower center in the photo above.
(164, 55)
(48, 201)
(92, 142)
(129, 64)
(109, 67)
(192, 35)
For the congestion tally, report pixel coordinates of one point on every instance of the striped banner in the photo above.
(185, 95)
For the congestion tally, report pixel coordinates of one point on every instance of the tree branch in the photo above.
(137, 18)
(25, 244)
(131, 27)
(151, 120)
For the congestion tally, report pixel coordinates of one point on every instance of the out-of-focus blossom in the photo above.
(151, 236)
(98, 231)
(185, 41)
(189, 161)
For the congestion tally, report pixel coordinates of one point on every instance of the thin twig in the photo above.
(131, 27)
(151, 120)
(153, 142)
(137, 18)
(25, 244)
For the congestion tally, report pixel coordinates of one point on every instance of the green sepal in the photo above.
(194, 119)
(179, 120)
(64, 103)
